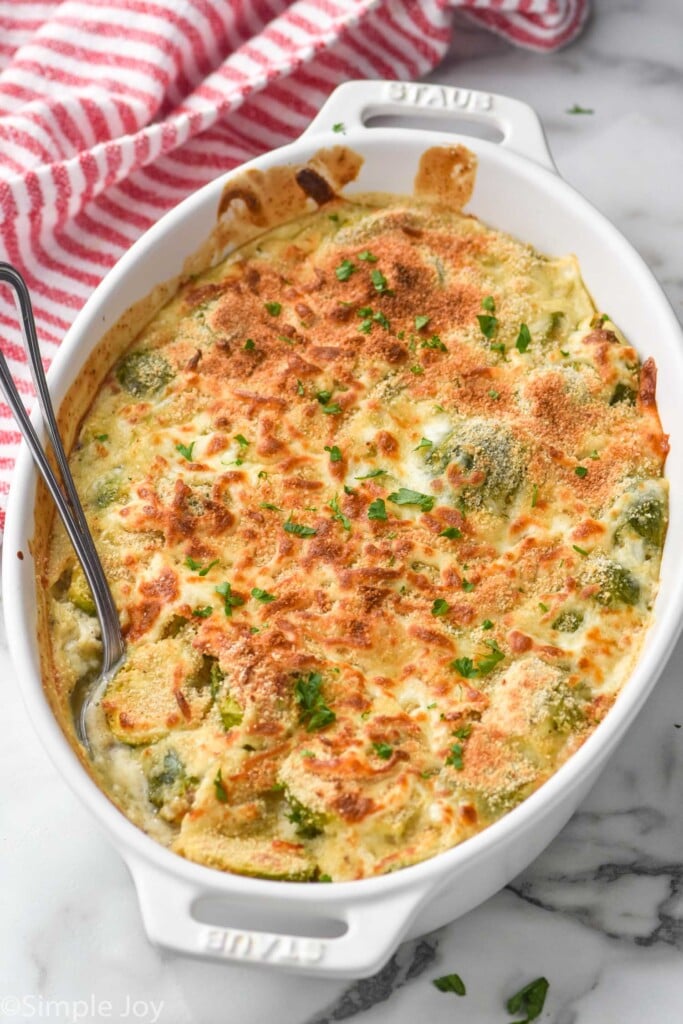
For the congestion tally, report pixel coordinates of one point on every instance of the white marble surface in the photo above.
(600, 913)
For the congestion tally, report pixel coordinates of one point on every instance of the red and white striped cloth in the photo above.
(112, 111)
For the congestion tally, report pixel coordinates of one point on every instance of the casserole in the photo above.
(358, 924)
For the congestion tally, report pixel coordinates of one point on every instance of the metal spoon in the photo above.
(66, 499)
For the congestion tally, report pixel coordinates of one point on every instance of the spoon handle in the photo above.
(65, 496)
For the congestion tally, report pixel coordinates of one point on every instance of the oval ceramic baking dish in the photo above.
(349, 929)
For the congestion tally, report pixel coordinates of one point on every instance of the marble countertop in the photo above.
(600, 913)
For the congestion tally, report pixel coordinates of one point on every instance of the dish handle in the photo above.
(332, 938)
(352, 104)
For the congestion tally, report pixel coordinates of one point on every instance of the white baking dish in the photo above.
(349, 929)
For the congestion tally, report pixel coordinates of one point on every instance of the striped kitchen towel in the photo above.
(112, 111)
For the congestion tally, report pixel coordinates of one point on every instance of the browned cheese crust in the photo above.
(381, 501)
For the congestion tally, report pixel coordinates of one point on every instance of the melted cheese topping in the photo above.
(381, 501)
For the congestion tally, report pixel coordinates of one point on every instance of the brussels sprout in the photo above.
(646, 517)
(309, 824)
(230, 711)
(79, 592)
(555, 325)
(566, 707)
(168, 780)
(617, 585)
(142, 373)
(623, 393)
(107, 490)
(491, 805)
(568, 621)
(489, 458)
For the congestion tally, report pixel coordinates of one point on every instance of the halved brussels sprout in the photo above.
(617, 585)
(79, 592)
(568, 621)
(489, 461)
(646, 517)
(143, 372)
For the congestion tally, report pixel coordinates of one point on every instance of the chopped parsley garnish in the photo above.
(450, 983)
(272, 508)
(594, 455)
(379, 281)
(451, 533)
(440, 607)
(333, 409)
(454, 759)
(534, 495)
(467, 586)
(186, 450)
(463, 732)
(544, 607)
(335, 453)
(488, 325)
(299, 387)
(576, 109)
(377, 509)
(424, 443)
(373, 472)
(489, 303)
(102, 437)
(404, 496)
(421, 321)
(203, 613)
(529, 1000)
(383, 750)
(220, 788)
(339, 515)
(323, 396)
(263, 595)
(581, 471)
(230, 600)
(497, 346)
(523, 339)
(493, 393)
(298, 529)
(367, 257)
(487, 624)
(487, 664)
(249, 345)
(314, 712)
(339, 128)
(241, 440)
(345, 269)
(417, 369)
(465, 667)
(197, 566)
(274, 308)
(581, 551)
(366, 326)
(380, 318)
(434, 342)
(469, 670)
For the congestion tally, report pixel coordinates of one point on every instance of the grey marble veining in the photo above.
(600, 912)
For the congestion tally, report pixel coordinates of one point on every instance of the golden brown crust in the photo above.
(374, 549)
